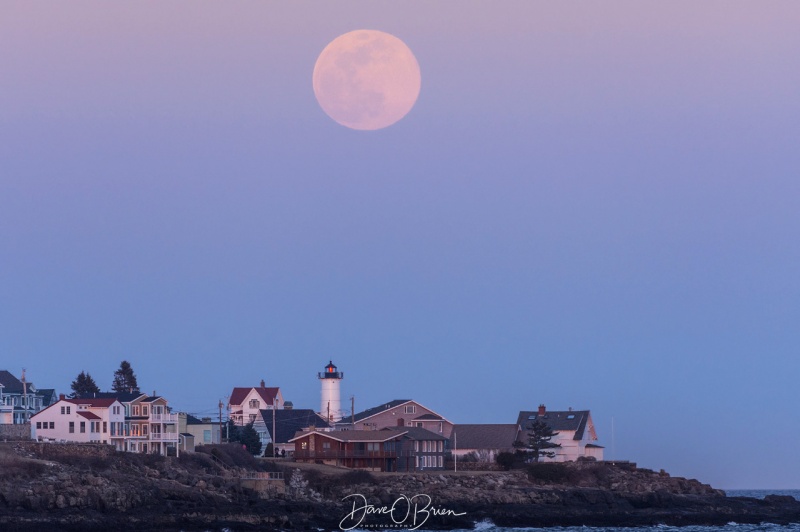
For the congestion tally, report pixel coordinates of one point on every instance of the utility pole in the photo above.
(220, 422)
(274, 439)
(455, 448)
(24, 397)
(353, 411)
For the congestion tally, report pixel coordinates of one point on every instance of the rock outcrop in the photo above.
(78, 487)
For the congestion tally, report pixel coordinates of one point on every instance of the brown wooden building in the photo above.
(395, 449)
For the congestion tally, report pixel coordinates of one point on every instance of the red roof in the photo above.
(88, 415)
(240, 394)
(93, 402)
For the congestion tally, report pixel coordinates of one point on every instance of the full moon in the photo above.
(366, 79)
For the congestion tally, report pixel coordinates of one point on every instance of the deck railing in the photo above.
(304, 454)
(164, 436)
(164, 418)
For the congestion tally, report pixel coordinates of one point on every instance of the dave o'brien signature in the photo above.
(412, 512)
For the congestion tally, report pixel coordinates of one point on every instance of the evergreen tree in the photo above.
(539, 435)
(125, 379)
(83, 386)
(249, 438)
(231, 431)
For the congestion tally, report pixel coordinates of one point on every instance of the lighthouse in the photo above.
(330, 406)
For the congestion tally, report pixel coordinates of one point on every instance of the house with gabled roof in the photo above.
(485, 441)
(398, 413)
(245, 403)
(89, 420)
(289, 422)
(576, 434)
(20, 399)
(149, 425)
(389, 449)
(195, 431)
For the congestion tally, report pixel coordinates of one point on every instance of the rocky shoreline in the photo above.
(86, 488)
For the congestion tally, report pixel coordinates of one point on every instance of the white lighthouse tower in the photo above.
(330, 406)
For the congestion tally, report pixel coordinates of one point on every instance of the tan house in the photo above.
(203, 431)
(398, 413)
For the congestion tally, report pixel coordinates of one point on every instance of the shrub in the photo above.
(548, 472)
(357, 476)
(506, 460)
(15, 466)
(469, 457)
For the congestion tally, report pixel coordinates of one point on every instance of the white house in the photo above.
(245, 403)
(576, 433)
(81, 420)
(129, 421)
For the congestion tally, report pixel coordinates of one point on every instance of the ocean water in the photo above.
(730, 527)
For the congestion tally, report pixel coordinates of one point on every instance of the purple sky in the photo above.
(591, 205)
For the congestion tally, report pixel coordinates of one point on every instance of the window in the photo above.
(136, 410)
(326, 445)
(571, 416)
(52, 424)
(419, 423)
(252, 418)
(71, 427)
(441, 448)
(254, 403)
(410, 409)
(206, 436)
(38, 424)
(144, 410)
(83, 427)
(441, 460)
(441, 426)
(63, 410)
(416, 446)
(68, 410)
(105, 427)
(304, 445)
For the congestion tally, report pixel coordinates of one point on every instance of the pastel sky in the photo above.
(592, 205)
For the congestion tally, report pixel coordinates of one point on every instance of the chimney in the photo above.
(61, 397)
(262, 383)
(542, 410)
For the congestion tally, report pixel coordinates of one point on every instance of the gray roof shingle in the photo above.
(557, 420)
(378, 409)
(484, 436)
(289, 422)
